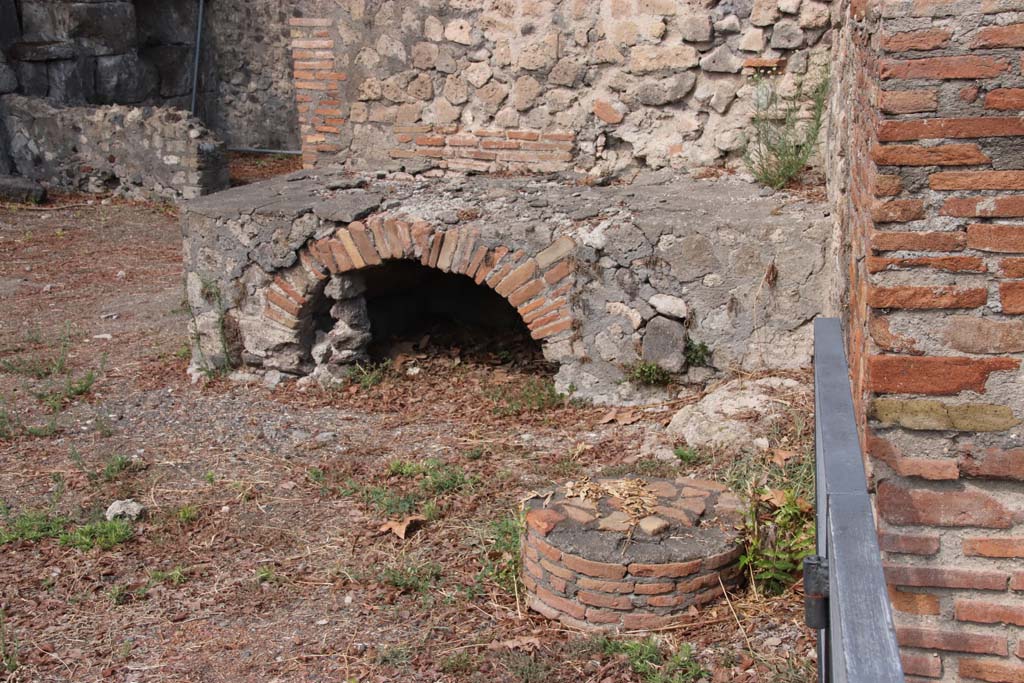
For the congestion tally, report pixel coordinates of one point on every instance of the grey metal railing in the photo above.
(846, 596)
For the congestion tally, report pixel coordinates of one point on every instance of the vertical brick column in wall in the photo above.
(317, 87)
(932, 135)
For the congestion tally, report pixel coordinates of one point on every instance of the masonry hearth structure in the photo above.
(604, 277)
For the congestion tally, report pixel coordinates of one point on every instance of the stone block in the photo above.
(124, 79)
(655, 93)
(664, 344)
(723, 60)
(71, 81)
(22, 190)
(8, 79)
(787, 35)
(34, 78)
(10, 30)
(100, 28)
(170, 63)
(695, 27)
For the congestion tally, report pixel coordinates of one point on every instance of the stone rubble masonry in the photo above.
(592, 85)
(135, 151)
(574, 571)
(927, 175)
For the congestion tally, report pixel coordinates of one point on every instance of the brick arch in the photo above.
(537, 285)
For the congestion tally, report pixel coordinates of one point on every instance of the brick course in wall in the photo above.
(930, 190)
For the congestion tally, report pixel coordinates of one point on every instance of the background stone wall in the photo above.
(140, 52)
(927, 178)
(136, 151)
(541, 86)
(249, 96)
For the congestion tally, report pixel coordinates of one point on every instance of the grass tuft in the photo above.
(783, 140)
(104, 535)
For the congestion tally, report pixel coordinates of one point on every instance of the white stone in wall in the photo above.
(459, 31)
(433, 29)
(814, 15)
(671, 306)
(478, 74)
(752, 40)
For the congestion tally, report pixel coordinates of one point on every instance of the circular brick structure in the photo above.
(630, 554)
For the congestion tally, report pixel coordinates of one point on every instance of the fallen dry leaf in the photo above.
(526, 643)
(776, 497)
(626, 417)
(400, 528)
(781, 457)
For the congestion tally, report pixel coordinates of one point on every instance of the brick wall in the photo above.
(928, 178)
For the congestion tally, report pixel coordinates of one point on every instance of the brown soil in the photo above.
(247, 167)
(264, 497)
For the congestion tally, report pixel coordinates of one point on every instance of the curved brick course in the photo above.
(585, 566)
(536, 284)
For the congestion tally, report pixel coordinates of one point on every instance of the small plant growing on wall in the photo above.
(648, 374)
(783, 139)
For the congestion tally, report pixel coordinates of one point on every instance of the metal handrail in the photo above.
(846, 596)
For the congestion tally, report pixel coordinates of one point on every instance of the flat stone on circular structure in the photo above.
(630, 554)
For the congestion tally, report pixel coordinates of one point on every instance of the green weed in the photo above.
(777, 540)
(500, 559)
(412, 578)
(457, 663)
(6, 422)
(103, 426)
(8, 645)
(431, 510)
(32, 526)
(404, 468)
(44, 430)
(648, 374)
(696, 353)
(187, 514)
(175, 577)
(266, 574)
(104, 535)
(115, 466)
(316, 475)
(394, 656)
(782, 142)
(40, 368)
(475, 453)
(442, 478)
(120, 595)
(534, 395)
(687, 456)
(369, 375)
(646, 659)
(383, 499)
(526, 668)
